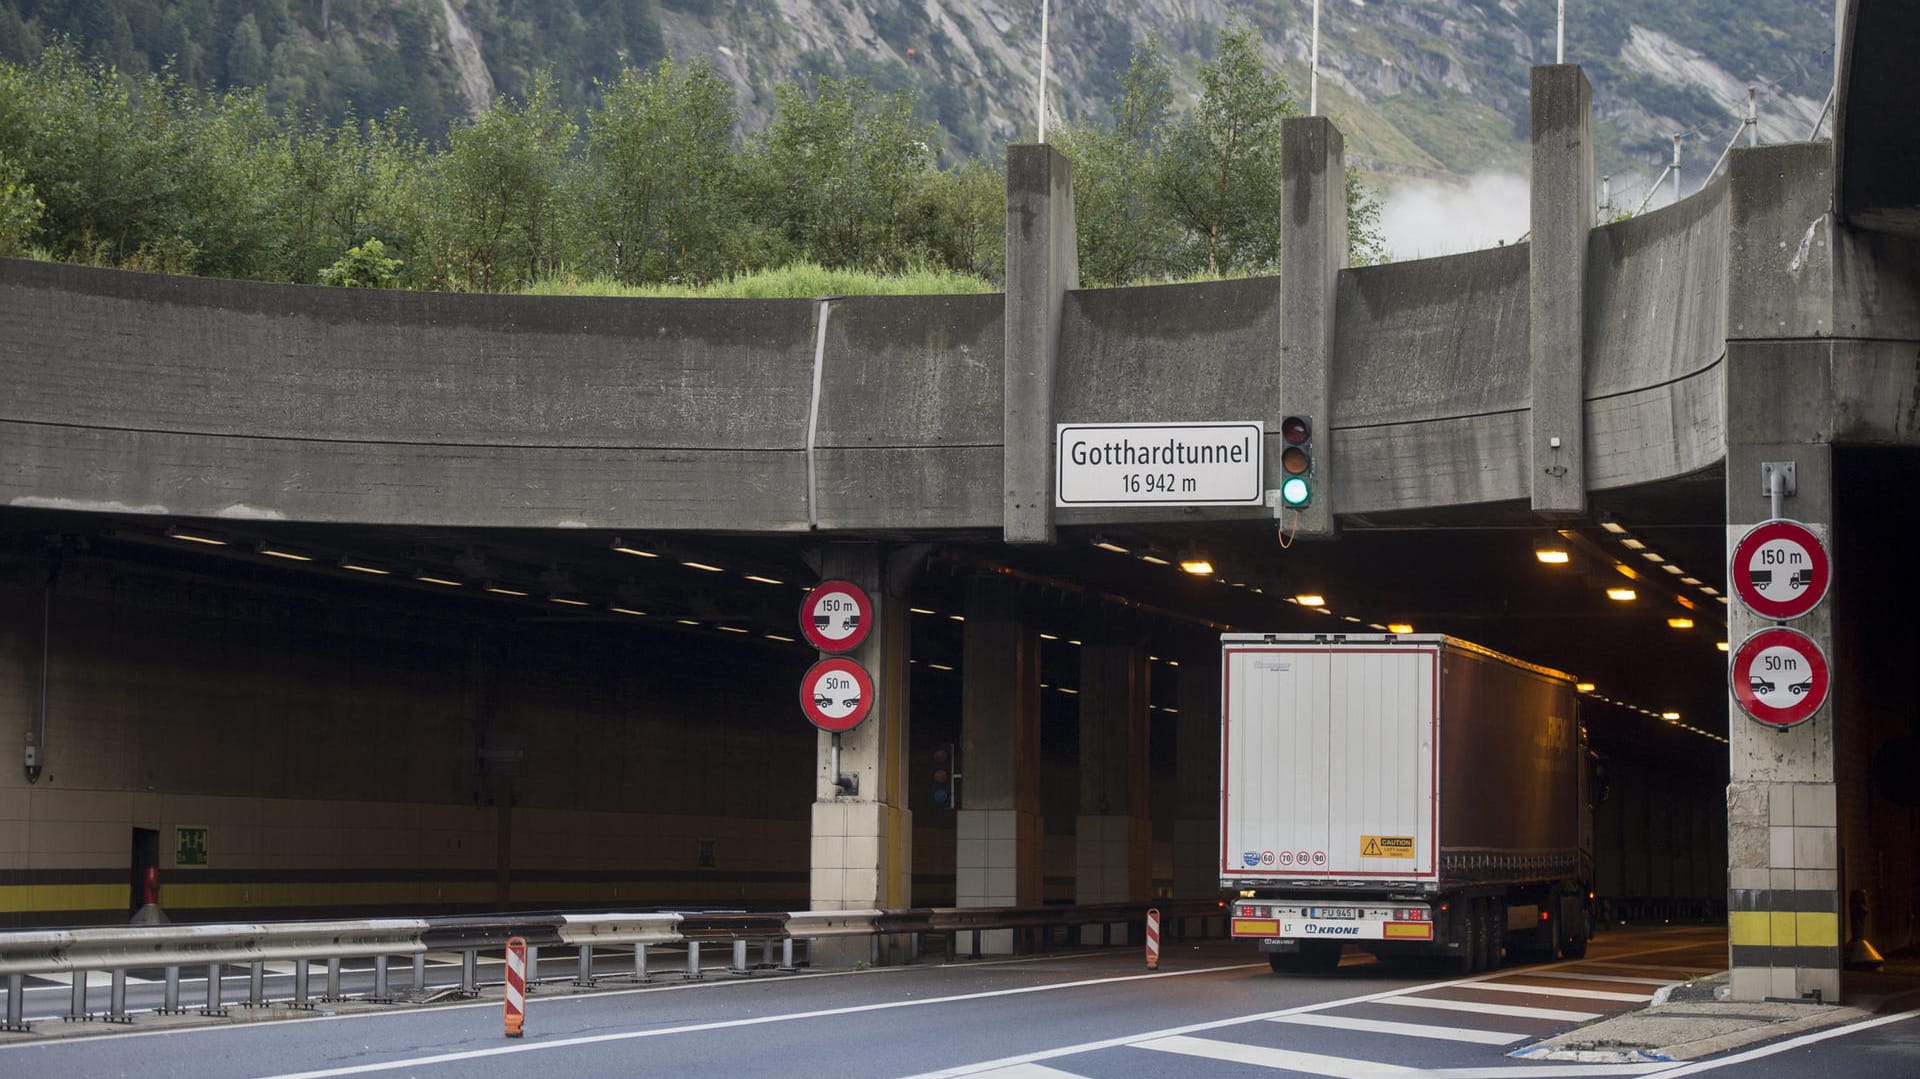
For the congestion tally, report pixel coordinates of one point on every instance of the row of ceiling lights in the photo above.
(1549, 552)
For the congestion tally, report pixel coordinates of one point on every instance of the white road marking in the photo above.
(728, 1024)
(1517, 1011)
(1032, 1071)
(1793, 1043)
(1557, 991)
(1613, 978)
(1409, 1030)
(1287, 1059)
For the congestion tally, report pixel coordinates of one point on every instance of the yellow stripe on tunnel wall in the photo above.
(25, 898)
(1803, 929)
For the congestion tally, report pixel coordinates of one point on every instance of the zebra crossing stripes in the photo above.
(1285, 1059)
(1558, 991)
(1412, 1030)
(1514, 1011)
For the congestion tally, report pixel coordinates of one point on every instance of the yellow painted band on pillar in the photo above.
(1783, 930)
(1817, 929)
(1749, 928)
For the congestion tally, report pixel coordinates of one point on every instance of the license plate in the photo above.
(1333, 912)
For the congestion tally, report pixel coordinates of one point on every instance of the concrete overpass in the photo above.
(1636, 373)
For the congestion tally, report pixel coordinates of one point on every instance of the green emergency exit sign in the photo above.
(189, 845)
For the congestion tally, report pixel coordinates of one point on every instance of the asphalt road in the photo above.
(1212, 1010)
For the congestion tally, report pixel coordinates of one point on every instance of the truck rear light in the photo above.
(1544, 916)
(1411, 914)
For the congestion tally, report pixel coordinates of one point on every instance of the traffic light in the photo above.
(1296, 462)
(943, 776)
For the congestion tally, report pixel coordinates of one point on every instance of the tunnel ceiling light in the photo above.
(425, 577)
(1684, 602)
(1076, 644)
(1583, 687)
(921, 610)
(1622, 595)
(274, 550)
(1399, 627)
(1173, 663)
(567, 601)
(1049, 636)
(195, 535)
(686, 621)
(1551, 553)
(1653, 556)
(357, 566)
(1673, 569)
(1721, 645)
(633, 549)
(940, 666)
(628, 611)
(1350, 618)
(957, 617)
(732, 629)
(1154, 559)
(1680, 623)
(777, 637)
(1670, 717)
(1197, 565)
(1709, 590)
(1310, 599)
(500, 588)
(1069, 692)
(1614, 527)
(1106, 544)
(760, 579)
(1632, 544)
(1690, 580)
(1627, 571)
(703, 567)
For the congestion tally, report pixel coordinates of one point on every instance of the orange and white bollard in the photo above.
(1153, 938)
(516, 986)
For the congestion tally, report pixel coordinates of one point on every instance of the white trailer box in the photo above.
(1381, 780)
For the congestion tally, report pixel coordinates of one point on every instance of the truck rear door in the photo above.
(1327, 765)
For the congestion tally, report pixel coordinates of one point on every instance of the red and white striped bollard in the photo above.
(1153, 938)
(516, 986)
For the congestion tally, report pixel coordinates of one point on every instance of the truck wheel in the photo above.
(1574, 946)
(1471, 932)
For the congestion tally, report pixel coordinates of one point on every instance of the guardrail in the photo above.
(116, 950)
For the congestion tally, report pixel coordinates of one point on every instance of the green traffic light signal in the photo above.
(1295, 492)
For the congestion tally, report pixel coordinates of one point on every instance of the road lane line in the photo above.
(1616, 979)
(1287, 1059)
(1516, 1011)
(730, 1024)
(1408, 1030)
(1032, 1071)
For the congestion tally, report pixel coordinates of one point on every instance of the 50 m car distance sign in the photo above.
(1779, 676)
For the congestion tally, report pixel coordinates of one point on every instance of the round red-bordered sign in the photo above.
(1780, 569)
(835, 616)
(836, 694)
(1779, 676)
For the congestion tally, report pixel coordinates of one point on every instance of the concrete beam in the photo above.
(1042, 266)
(1562, 212)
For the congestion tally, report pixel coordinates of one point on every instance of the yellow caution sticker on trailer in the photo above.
(1386, 846)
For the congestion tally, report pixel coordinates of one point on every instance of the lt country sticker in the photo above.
(1386, 846)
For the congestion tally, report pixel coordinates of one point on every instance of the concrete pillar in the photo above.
(1113, 857)
(863, 841)
(1001, 833)
(1314, 186)
(1042, 264)
(1562, 215)
(1783, 886)
(1196, 823)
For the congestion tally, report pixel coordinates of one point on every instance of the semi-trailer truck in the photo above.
(1412, 794)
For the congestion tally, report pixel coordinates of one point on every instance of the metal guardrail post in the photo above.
(300, 989)
(419, 987)
(739, 964)
(257, 984)
(974, 951)
(77, 1010)
(585, 977)
(170, 1001)
(913, 947)
(693, 960)
(786, 955)
(214, 1006)
(117, 999)
(766, 954)
(333, 979)
(533, 967)
(469, 973)
(16, 1002)
(380, 994)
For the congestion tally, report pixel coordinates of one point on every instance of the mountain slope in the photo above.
(1421, 87)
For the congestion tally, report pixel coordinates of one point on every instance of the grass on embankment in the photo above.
(800, 280)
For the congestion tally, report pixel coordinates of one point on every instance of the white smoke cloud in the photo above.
(1423, 218)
